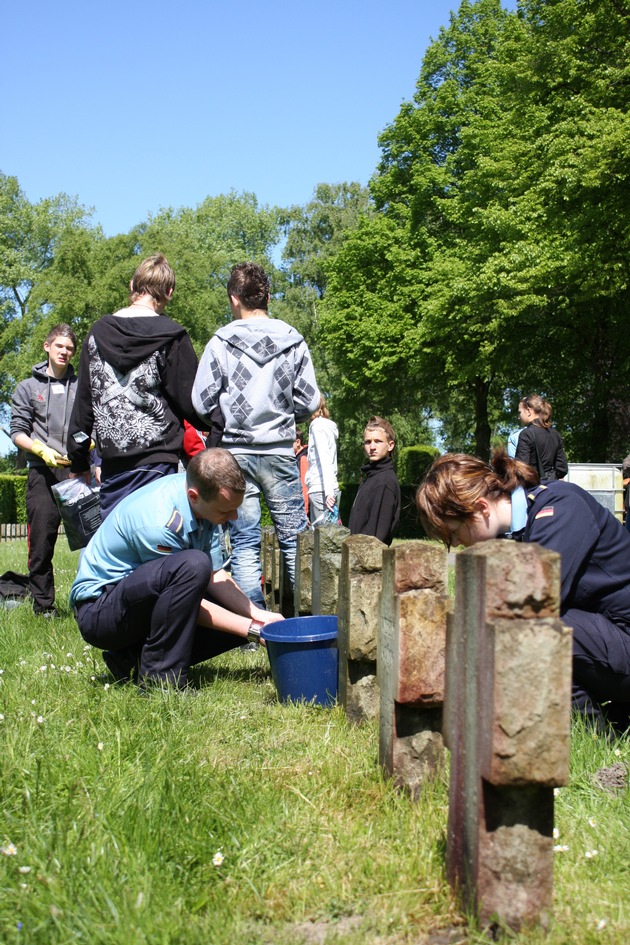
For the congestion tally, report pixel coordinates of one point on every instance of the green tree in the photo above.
(30, 234)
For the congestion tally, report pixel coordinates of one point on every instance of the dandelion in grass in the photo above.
(218, 858)
(591, 853)
(9, 849)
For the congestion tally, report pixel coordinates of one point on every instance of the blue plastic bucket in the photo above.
(304, 658)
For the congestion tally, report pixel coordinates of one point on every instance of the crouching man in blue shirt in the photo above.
(151, 590)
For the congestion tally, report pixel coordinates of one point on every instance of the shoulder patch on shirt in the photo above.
(175, 522)
(547, 512)
(164, 549)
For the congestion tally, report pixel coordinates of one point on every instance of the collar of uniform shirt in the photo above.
(519, 510)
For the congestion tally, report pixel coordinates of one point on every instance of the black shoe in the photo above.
(47, 612)
(122, 664)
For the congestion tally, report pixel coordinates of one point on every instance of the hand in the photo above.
(51, 457)
(266, 616)
(85, 476)
(330, 502)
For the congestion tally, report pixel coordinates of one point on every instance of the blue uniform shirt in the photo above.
(594, 548)
(155, 520)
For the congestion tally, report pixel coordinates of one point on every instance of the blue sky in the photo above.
(134, 106)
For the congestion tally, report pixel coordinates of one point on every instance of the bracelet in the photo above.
(253, 633)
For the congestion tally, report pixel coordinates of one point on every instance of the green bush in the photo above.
(413, 462)
(13, 499)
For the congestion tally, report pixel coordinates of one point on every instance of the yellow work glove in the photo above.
(51, 457)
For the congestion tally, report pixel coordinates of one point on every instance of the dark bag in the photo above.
(80, 509)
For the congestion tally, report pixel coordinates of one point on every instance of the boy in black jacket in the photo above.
(376, 509)
(136, 375)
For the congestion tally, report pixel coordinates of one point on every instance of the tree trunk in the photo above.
(482, 424)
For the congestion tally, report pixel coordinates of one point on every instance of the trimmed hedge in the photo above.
(13, 500)
(413, 462)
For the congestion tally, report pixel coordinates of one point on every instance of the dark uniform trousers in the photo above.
(43, 520)
(150, 617)
(601, 666)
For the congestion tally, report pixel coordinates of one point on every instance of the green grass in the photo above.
(117, 806)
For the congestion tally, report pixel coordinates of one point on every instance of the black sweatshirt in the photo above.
(376, 509)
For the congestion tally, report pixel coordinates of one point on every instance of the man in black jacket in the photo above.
(376, 509)
(136, 375)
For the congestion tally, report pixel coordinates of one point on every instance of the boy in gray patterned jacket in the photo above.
(258, 371)
(40, 416)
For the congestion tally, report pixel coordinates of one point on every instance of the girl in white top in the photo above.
(321, 477)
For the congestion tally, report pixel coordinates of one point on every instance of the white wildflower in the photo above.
(218, 858)
(9, 850)
(100, 746)
(556, 833)
(601, 925)
(590, 854)
(25, 869)
(592, 822)
(40, 719)
(560, 848)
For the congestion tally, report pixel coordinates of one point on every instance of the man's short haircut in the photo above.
(214, 469)
(378, 423)
(250, 284)
(153, 277)
(300, 437)
(61, 331)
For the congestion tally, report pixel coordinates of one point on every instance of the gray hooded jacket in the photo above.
(259, 372)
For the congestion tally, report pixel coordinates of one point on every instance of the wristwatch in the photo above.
(253, 633)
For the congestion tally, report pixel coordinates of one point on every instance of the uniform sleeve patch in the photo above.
(175, 522)
(164, 549)
(547, 512)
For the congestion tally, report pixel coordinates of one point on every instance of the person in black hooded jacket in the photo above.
(136, 374)
(376, 508)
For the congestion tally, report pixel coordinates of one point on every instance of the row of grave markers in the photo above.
(488, 676)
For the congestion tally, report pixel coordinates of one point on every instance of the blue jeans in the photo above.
(278, 478)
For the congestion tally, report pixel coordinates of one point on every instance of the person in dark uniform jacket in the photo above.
(539, 445)
(376, 508)
(463, 500)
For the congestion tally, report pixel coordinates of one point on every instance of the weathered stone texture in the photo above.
(326, 567)
(303, 592)
(411, 662)
(507, 702)
(359, 613)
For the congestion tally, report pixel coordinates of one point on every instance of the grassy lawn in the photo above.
(223, 817)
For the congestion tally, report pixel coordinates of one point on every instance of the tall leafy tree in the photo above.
(30, 234)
